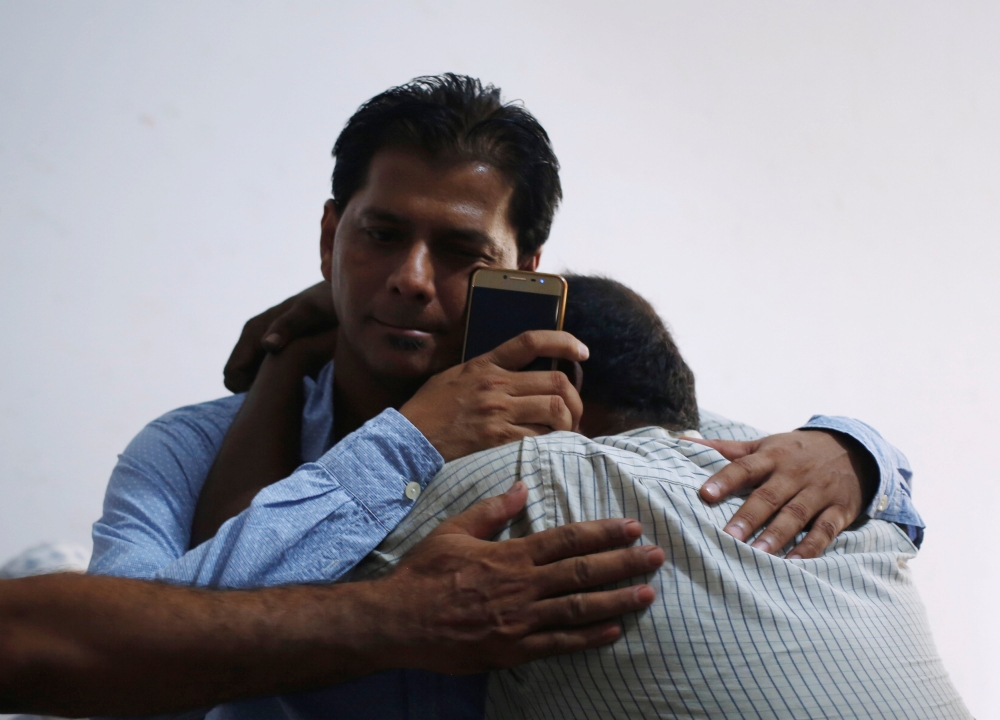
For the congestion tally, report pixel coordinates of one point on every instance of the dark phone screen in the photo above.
(496, 316)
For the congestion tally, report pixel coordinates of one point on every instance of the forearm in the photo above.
(82, 645)
(344, 505)
(261, 447)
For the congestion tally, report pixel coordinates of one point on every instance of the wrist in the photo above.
(374, 628)
(283, 370)
(425, 426)
(864, 464)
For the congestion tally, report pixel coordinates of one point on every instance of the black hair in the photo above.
(635, 369)
(456, 116)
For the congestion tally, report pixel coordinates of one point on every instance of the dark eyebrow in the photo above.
(383, 216)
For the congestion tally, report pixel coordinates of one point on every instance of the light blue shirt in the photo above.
(321, 521)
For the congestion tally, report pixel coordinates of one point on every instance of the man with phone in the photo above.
(432, 181)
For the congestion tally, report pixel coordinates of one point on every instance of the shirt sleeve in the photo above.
(150, 501)
(313, 526)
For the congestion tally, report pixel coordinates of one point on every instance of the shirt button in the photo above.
(882, 503)
(412, 491)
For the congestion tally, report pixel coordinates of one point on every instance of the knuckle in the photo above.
(826, 529)
(482, 364)
(583, 572)
(557, 406)
(529, 341)
(560, 383)
(569, 538)
(777, 453)
(576, 606)
(768, 496)
(490, 382)
(798, 512)
(746, 516)
(492, 407)
(744, 468)
(499, 433)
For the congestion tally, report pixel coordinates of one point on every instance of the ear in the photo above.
(529, 263)
(328, 231)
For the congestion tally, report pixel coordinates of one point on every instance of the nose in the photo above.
(413, 278)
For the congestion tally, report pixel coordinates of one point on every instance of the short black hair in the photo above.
(635, 369)
(457, 116)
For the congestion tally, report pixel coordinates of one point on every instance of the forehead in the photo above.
(424, 190)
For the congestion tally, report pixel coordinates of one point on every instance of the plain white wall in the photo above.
(808, 191)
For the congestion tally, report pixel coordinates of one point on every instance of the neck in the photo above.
(359, 394)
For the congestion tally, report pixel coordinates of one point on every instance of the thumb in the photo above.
(487, 517)
(729, 449)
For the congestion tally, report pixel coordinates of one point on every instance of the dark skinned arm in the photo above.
(86, 645)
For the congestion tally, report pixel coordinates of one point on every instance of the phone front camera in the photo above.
(504, 277)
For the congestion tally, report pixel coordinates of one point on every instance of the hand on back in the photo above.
(805, 478)
(474, 605)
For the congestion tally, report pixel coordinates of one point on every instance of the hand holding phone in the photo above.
(486, 402)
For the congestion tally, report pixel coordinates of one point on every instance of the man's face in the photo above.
(400, 256)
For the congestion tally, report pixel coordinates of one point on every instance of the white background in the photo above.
(809, 192)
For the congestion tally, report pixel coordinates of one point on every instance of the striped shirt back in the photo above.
(733, 632)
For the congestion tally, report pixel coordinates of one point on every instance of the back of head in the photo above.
(456, 117)
(635, 370)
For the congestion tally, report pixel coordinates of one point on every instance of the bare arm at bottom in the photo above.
(86, 645)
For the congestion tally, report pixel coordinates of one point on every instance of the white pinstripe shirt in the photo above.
(733, 632)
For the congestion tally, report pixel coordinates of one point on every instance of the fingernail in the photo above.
(516, 487)
(793, 556)
(584, 352)
(633, 528)
(737, 529)
(655, 555)
(273, 340)
(713, 490)
(762, 545)
(644, 594)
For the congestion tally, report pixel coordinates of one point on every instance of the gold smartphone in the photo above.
(505, 303)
